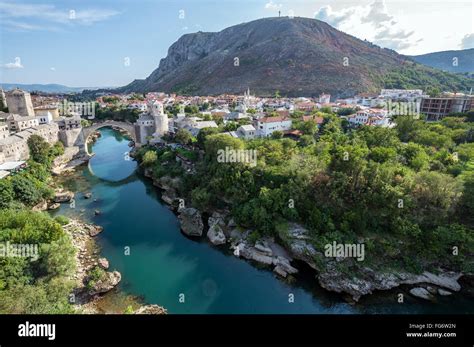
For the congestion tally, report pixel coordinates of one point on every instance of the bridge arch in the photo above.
(128, 127)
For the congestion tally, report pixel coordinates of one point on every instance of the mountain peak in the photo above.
(297, 56)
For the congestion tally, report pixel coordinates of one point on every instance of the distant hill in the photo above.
(444, 60)
(296, 56)
(45, 88)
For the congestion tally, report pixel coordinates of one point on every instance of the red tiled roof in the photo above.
(273, 119)
(318, 120)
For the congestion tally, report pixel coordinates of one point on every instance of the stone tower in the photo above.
(3, 100)
(160, 118)
(19, 102)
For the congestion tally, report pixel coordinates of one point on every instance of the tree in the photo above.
(184, 136)
(25, 190)
(416, 156)
(39, 149)
(6, 193)
(149, 158)
(277, 134)
(204, 133)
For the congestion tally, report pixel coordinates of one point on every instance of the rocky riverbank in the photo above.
(281, 256)
(72, 157)
(95, 283)
(89, 290)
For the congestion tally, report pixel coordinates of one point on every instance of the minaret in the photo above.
(160, 118)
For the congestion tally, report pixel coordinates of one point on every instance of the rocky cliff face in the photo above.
(296, 56)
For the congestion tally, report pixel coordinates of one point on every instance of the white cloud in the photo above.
(16, 65)
(377, 14)
(52, 68)
(272, 6)
(372, 22)
(12, 15)
(326, 14)
(467, 41)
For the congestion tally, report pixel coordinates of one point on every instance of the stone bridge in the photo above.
(128, 127)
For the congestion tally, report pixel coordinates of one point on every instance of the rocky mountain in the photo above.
(444, 60)
(296, 56)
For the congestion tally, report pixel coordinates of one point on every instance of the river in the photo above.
(163, 264)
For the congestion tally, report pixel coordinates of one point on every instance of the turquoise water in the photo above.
(163, 263)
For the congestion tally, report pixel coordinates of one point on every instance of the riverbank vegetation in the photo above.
(407, 192)
(39, 280)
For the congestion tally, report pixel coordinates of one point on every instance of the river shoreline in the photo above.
(90, 300)
(268, 254)
(221, 229)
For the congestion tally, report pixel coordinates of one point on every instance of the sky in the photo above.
(105, 43)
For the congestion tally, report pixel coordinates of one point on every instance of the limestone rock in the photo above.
(279, 270)
(443, 292)
(42, 206)
(151, 309)
(216, 235)
(421, 293)
(63, 196)
(54, 206)
(106, 284)
(103, 263)
(191, 221)
(94, 230)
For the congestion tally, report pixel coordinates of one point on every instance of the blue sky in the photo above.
(44, 42)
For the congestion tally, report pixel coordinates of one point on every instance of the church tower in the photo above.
(160, 118)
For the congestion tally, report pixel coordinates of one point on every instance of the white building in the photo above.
(371, 117)
(324, 98)
(247, 132)
(267, 125)
(45, 117)
(196, 127)
(404, 94)
(18, 123)
(141, 106)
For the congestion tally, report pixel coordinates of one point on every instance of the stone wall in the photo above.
(72, 137)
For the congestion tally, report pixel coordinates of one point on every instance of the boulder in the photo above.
(284, 264)
(54, 206)
(191, 221)
(151, 309)
(448, 280)
(110, 280)
(300, 247)
(253, 254)
(94, 230)
(42, 206)
(216, 235)
(97, 212)
(87, 195)
(63, 196)
(263, 248)
(421, 293)
(280, 271)
(103, 263)
(443, 292)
